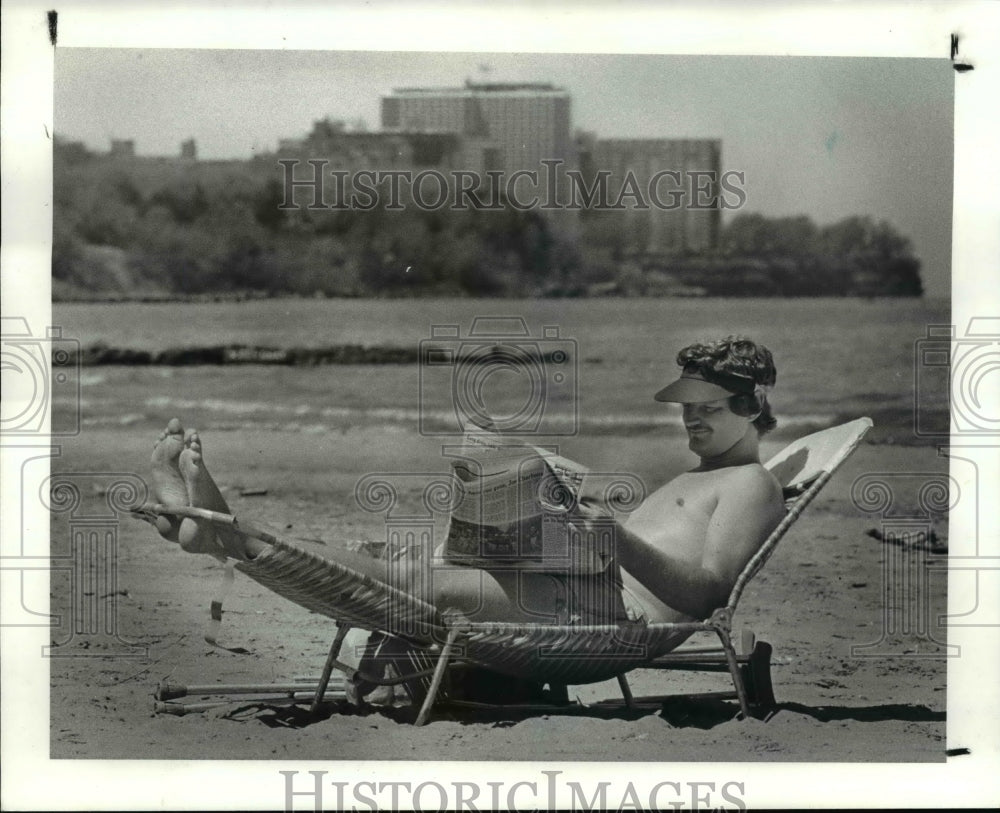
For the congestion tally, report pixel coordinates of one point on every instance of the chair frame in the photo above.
(749, 671)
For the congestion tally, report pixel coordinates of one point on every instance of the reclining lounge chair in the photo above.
(558, 655)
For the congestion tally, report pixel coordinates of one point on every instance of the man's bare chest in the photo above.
(679, 511)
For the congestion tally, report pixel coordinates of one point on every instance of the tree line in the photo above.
(123, 226)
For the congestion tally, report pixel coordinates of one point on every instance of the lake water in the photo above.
(835, 357)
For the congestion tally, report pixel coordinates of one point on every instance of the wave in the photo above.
(276, 416)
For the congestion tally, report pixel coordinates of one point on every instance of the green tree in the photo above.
(186, 201)
(749, 235)
(266, 206)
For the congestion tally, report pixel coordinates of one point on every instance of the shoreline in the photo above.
(187, 299)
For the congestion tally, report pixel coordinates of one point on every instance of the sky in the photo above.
(827, 137)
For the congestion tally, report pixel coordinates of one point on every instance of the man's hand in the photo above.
(590, 508)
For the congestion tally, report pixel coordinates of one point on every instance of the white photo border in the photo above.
(32, 781)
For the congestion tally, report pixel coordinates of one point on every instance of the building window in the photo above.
(390, 112)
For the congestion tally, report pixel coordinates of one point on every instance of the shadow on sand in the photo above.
(678, 713)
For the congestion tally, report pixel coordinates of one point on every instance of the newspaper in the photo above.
(516, 506)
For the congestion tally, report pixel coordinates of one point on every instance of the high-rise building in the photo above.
(682, 174)
(122, 148)
(351, 152)
(516, 127)
(505, 127)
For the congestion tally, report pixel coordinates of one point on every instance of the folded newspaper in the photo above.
(516, 506)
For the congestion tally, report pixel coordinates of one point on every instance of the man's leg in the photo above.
(478, 594)
(201, 536)
(167, 481)
(499, 595)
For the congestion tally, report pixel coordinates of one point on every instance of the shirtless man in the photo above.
(682, 550)
(680, 553)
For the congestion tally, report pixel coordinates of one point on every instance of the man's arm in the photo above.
(686, 586)
(749, 507)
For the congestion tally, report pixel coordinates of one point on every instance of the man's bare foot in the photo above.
(168, 483)
(201, 536)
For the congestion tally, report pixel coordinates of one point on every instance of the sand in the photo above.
(824, 592)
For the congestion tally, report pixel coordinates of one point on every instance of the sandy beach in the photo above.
(825, 591)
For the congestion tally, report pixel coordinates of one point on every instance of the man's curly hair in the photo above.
(742, 356)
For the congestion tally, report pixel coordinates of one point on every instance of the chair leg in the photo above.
(559, 693)
(734, 671)
(439, 669)
(338, 642)
(757, 676)
(626, 690)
